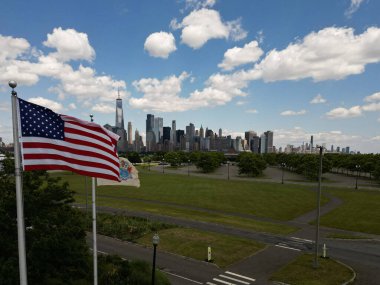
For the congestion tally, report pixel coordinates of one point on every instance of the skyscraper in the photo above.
(268, 141)
(158, 125)
(174, 133)
(122, 144)
(129, 133)
(119, 121)
(150, 136)
(220, 132)
(201, 132)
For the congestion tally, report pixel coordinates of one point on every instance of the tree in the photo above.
(251, 164)
(133, 157)
(57, 252)
(208, 162)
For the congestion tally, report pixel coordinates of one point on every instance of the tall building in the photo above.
(119, 121)
(263, 143)
(122, 144)
(268, 142)
(158, 128)
(174, 133)
(130, 133)
(220, 132)
(201, 132)
(249, 136)
(166, 134)
(150, 136)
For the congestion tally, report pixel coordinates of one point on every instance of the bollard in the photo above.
(209, 254)
(324, 250)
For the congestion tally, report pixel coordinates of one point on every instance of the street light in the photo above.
(228, 170)
(357, 175)
(155, 241)
(188, 167)
(163, 164)
(318, 206)
(283, 167)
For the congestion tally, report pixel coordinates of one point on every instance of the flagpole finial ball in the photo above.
(12, 84)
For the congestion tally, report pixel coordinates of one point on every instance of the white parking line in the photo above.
(209, 283)
(234, 279)
(222, 281)
(302, 239)
(287, 247)
(241, 276)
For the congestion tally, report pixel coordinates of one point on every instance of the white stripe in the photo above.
(302, 239)
(87, 139)
(69, 145)
(224, 282)
(179, 276)
(234, 279)
(241, 276)
(86, 130)
(291, 248)
(70, 155)
(75, 166)
(209, 283)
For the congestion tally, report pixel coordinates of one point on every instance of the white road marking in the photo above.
(209, 283)
(287, 247)
(234, 279)
(302, 239)
(241, 276)
(179, 276)
(224, 282)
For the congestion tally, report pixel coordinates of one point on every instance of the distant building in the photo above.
(130, 133)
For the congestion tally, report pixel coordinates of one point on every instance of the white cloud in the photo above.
(331, 53)
(240, 103)
(72, 106)
(11, 48)
(197, 4)
(378, 120)
(103, 108)
(293, 113)
(372, 98)
(236, 56)
(354, 6)
(376, 138)
(5, 107)
(70, 45)
(160, 44)
(371, 107)
(251, 111)
(55, 106)
(203, 25)
(318, 100)
(342, 113)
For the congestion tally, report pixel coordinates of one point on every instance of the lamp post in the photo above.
(155, 241)
(149, 164)
(283, 168)
(318, 207)
(188, 167)
(357, 175)
(163, 165)
(228, 170)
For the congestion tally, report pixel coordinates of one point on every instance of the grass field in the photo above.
(226, 250)
(276, 201)
(301, 272)
(359, 212)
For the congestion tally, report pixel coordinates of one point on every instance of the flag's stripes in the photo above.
(87, 171)
(86, 148)
(53, 155)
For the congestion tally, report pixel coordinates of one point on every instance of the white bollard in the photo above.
(324, 250)
(209, 254)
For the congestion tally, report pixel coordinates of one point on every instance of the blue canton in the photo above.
(38, 121)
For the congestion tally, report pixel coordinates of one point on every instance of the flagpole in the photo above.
(95, 246)
(19, 196)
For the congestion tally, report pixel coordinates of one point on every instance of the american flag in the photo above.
(50, 141)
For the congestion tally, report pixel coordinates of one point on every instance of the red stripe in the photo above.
(86, 134)
(91, 144)
(44, 145)
(69, 160)
(68, 168)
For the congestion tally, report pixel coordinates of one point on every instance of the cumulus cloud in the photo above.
(55, 106)
(70, 45)
(72, 106)
(371, 107)
(236, 56)
(160, 44)
(339, 113)
(251, 111)
(331, 53)
(103, 108)
(240, 103)
(293, 113)
(198, 4)
(82, 82)
(376, 138)
(354, 6)
(318, 100)
(372, 98)
(205, 24)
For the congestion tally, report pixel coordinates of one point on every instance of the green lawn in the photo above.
(225, 249)
(275, 201)
(359, 212)
(301, 272)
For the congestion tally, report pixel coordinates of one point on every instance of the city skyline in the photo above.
(300, 69)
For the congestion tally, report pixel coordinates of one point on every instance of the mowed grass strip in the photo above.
(225, 250)
(238, 222)
(301, 272)
(271, 200)
(359, 211)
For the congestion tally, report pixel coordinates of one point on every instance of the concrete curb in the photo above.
(351, 269)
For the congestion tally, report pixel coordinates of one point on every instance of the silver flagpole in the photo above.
(19, 196)
(95, 247)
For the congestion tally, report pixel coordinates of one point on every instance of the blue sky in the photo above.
(298, 68)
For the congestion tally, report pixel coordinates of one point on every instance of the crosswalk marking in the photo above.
(241, 276)
(302, 239)
(287, 247)
(231, 278)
